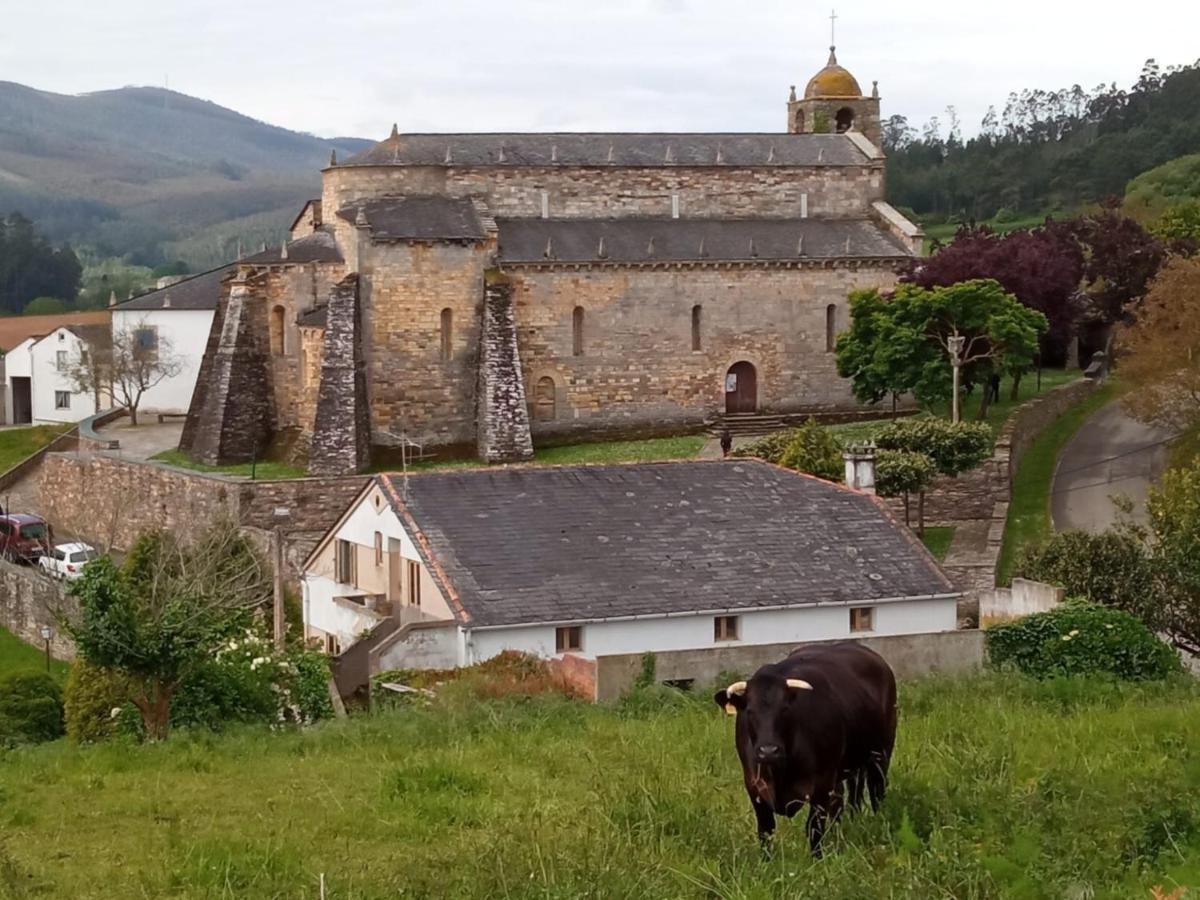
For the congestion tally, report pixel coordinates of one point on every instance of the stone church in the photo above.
(492, 291)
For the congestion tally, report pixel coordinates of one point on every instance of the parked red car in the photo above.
(23, 537)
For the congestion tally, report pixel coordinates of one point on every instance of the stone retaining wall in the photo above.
(29, 600)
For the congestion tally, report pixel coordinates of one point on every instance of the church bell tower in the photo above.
(833, 103)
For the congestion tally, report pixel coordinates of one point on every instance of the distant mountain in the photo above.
(153, 172)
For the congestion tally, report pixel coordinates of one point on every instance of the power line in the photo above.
(1108, 459)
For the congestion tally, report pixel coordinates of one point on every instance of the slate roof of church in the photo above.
(552, 544)
(615, 149)
(417, 217)
(199, 292)
(630, 240)
(316, 247)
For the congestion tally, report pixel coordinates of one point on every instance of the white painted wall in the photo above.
(187, 331)
(696, 632)
(47, 379)
(321, 611)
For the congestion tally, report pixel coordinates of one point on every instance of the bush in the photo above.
(814, 449)
(1081, 639)
(93, 694)
(31, 708)
(954, 448)
(770, 448)
(1108, 569)
(899, 472)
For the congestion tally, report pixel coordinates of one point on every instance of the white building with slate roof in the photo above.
(450, 568)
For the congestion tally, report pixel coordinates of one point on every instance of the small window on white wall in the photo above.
(60, 360)
(568, 639)
(725, 628)
(62, 399)
(862, 618)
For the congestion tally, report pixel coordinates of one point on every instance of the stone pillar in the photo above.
(232, 413)
(502, 417)
(341, 441)
(860, 467)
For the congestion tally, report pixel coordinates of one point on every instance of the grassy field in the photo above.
(937, 539)
(1029, 510)
(18, 443)
(1000, 788)
(264, 469)
(16, 655)
(650, 450)
(998, 413)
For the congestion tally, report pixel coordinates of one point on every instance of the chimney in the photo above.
(860, 467)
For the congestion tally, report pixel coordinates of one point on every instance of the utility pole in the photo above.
(956, 348)
(281, 515)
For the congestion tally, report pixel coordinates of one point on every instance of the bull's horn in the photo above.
(736, 689)
(799, 684)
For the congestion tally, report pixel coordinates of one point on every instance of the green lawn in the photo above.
(18, 443)
(998, 413)
(1000, 788)
(651, 450)
(1029, 511)
(265, 470)
(937, 539)
(16, 655)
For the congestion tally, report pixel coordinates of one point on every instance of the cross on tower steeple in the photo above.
(832, 24)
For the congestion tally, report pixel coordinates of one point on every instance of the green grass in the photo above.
(651, 450)
(16, 655)
(1000, 788)
(998, 412)
(944, 231)
(265, 470)
(1029, 510)
(18, 443)
(937, 539)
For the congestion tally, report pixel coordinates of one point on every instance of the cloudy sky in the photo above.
(351, 68)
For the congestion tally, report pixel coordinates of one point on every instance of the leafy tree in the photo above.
(163, 614)
(902, 473)
(1121, 258)
(137, 359)
(30, 267)
(1179, 227)
(1158, 349)
(813, 449)
(44, 306)
(1041, 267)
(178, 267)
(1174, 509)
(902, 344)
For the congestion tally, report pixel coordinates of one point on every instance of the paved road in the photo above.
(1111, 455)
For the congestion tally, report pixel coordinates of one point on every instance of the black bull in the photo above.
(820, 721)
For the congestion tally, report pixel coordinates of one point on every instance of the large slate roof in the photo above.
(526, 545)
(198, 292)
(417, 218)
(617, 149)
(648, 240)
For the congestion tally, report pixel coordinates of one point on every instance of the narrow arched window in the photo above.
(447, 333)
(696, 327)
(830, 327)
(577, 331)
(277, 315)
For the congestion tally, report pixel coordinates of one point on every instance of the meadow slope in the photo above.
(1001, 788)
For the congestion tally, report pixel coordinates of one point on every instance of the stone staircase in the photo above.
(747, 424)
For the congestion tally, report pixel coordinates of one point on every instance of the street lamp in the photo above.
(47, 636)
(956, 347)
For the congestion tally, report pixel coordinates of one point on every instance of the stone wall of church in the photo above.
(414, 387)
(832, 191)
(637, 371)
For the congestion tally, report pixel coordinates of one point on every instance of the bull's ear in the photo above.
(732, 698)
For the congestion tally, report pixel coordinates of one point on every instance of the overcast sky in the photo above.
(352, 68)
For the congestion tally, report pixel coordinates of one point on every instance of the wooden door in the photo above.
(741, 389)
(22, 394)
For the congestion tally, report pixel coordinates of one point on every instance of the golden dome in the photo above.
(832, 81)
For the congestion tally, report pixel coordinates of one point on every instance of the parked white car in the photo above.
(67, 560)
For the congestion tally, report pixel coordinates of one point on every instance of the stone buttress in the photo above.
(502, 425)
(341, 437)
(232, 417)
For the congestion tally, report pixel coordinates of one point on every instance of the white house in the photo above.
(38, 384)
(450, 568)
(179, 315)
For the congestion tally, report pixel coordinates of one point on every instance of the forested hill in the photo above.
(130, 170)
(1045, 149)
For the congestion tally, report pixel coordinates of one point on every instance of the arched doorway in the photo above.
(741, 388)
(844, 119)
